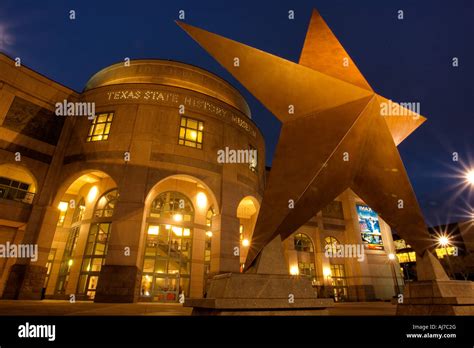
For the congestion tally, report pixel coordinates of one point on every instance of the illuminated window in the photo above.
(207, 245)
(406, 257)
(400, 244)
(79, 211)
(403, 257)
(305, 256)
(94, 257)
(167, 261)
(49, 266)
(100, 127)
(307, 269)
(331, 243)
(441, 252)
(66, 262)
(96, 247)
(253, 160)
(15, 190)
(63, 207)
(190, 132)
(339, 282)
(106, 204)
(172, 205)
(303, 243)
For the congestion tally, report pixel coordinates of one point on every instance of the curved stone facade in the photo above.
(149, 148)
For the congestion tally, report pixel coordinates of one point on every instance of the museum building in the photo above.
(132, 204)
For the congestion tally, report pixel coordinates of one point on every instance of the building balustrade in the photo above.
(15, 194)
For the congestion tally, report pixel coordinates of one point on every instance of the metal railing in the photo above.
(15, 194)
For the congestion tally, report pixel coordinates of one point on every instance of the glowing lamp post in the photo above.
(470, 177)
(392, 258)
(444, 241)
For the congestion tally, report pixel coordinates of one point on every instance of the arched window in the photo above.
(303, 243)
(106, 204)
(207, 245)
(96, 245)
(79, 211)
(172, 205)
(167, 262)
(305, 255)
(67, 258)
(331, 243)
(209, 215)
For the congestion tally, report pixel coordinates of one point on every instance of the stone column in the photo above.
(224, 240)
(197, 268)
(77, 257)
(26, 279)
(121, 275)
(14, 236)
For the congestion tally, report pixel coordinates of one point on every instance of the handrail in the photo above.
(15, 194)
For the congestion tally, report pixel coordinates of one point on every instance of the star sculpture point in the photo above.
(335, 139)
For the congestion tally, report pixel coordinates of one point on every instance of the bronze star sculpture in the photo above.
(333, 137)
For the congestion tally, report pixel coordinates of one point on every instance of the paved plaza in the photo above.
(59, 308)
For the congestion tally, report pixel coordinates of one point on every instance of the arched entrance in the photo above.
(336, 274)
(169, 238)
(305, 255)
(247, 212)
(79, 246)
(97, 244)
(178, 239)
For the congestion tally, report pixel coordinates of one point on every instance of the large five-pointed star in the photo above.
(335, 139)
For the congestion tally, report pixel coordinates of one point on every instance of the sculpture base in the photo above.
(438, 297)
(259, 294)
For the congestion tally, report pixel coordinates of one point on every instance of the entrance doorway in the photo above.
(167, 259)
(167, 263)
(339, 282)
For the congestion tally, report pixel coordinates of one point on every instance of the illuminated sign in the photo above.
(369, 227)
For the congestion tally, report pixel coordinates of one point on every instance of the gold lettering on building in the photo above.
(166, 97)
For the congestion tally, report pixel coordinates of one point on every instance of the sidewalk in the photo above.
(60, 308)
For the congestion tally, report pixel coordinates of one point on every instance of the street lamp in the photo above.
(392, 258)
(470, 177)
(327, 276)
(444, 241)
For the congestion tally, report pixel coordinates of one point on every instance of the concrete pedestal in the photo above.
(434, 293)
(25, 282)
(438, 297)
(118, 284)
(259, 292)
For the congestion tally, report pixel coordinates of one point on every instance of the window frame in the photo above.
(182, 140)
(105, 136)
(305, 238)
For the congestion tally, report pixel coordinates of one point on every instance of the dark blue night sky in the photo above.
(404, 60)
